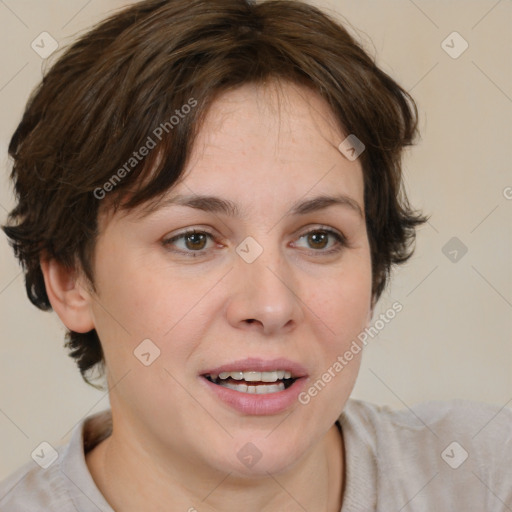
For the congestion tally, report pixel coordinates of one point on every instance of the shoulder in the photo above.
(455, 415)
(31, 486)
(487, 429)
(58, 480)
(453, 450)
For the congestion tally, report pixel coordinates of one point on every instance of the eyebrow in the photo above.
(215, 204)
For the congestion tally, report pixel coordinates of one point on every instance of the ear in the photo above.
(68, 295)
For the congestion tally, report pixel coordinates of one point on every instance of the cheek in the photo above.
(343, 315)
(126, 311)
(139, 302)
(343, 305)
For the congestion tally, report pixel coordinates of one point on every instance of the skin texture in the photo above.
(174, 443)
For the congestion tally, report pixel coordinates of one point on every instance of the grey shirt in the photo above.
(436, 457)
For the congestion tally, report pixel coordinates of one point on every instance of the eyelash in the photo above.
(340, 239)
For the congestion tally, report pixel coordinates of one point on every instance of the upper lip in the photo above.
(254, 364)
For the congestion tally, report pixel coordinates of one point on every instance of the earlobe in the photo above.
(68, 297)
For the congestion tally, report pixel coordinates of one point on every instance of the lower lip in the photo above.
(266, 404)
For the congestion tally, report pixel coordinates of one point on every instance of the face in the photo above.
(270, 288)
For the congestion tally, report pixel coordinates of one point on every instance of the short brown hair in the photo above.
(131, 73)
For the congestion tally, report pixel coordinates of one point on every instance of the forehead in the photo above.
(266, 138)
(277, 114)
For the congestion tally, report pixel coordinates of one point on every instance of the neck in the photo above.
(132, 478)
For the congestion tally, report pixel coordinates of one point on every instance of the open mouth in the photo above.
(253, 382)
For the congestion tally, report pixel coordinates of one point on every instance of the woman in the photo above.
(208, 197)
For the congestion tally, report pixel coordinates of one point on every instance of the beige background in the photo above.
(453, 338)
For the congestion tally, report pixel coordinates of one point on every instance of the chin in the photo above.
(257, 456)
(264, 467)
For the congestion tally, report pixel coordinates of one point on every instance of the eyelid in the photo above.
(319, 227)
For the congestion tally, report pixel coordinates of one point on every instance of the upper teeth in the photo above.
(255, 376)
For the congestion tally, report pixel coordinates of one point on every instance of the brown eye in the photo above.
(194, 242)
(318, 240)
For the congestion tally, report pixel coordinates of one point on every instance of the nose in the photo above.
(265, 295)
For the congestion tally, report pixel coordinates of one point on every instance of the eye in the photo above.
(318, 239)
(194, 242)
